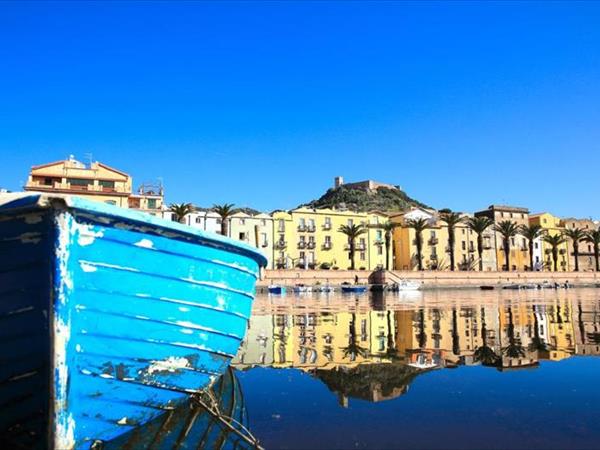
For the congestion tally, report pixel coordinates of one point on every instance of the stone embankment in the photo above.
(428, 279)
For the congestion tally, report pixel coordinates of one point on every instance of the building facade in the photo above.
(586, 250)
(519, 248)
(552, 226)
(95, 181)
(435, 252)
(308, 238)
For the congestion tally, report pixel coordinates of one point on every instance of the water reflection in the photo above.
(401, 336)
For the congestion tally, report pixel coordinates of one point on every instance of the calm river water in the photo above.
(445, 369)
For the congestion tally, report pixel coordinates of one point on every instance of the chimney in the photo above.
(338, 181)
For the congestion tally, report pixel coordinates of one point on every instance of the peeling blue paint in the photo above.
(129, 312)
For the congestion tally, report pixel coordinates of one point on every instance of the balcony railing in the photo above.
(311, 228)
(279, 245)
(327, 226)
(360, 247)
(302, 228)
(311, 244)
(471, 249)
(327, 246)
(433, 241)
(301, 244)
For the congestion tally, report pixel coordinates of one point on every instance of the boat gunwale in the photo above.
(95, 211)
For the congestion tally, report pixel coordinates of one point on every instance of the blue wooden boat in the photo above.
(276, 289)
(110, 317)
(354, 289)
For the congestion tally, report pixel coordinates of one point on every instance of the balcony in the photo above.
(326, 246)
(280, 245)
(487, 246)
(327, 226)
(433, 257)
(471, 249)
(301, 244)
(311, 228)
(433, 241)
(311, 244)
(302, 228)
(360, 247)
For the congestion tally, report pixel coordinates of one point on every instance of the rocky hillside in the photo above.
(356, 199)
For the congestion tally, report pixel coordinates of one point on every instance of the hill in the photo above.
(359, 199)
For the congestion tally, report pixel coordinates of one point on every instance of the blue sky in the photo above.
(262, 104)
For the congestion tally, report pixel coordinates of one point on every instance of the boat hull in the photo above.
(123, 317)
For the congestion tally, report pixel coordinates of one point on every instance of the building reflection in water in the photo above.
(371, 348)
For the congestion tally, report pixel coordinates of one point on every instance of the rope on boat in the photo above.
(211, 405)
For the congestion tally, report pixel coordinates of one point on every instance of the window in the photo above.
(537, 245)
(380, 250)
(48, 181)
(263, 222)
(281, 226)
(328, 239)
(302, 222)
(311, 257)
(432, 234)
(81, 183)
(108, 185)
(303, 239)
(350, 222)
(263, 239)
(463, 245)
(198, 219)
(512, 241)
(242, 221)
(379, 235)
(311, 223)
(363, 256)
(243, 236)
(151, 203)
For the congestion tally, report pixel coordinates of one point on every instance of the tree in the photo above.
(451, 219)
(576, 235)
(353, 349)
(352, 232)
(485, 354)
(478, 225)
(554, 241)
(531, 233)
(180, 210)
(388, 230)
(507, 230)
(514, 349)
(225, 211)
(593, 237)
(419, 225)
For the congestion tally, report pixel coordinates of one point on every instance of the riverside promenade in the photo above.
(428, 279)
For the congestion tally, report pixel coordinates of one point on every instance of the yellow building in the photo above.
(435, 252)
(95, 181)
(519, 249)
(310, 238)
(552, 226)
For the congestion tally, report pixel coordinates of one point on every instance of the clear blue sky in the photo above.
(262, 104)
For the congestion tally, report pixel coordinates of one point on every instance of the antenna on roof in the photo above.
(88, 157)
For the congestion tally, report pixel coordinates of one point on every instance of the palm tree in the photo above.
(576, 235)
(419, 225)
(478, 225)
(593, 237)
(485, 354)
(508, 230)
(537, 342)
(388, 230)
(353, 349)
(451, 219)
(180, 210)
(514, 349)
(531, 233)
(225, 211)
(554, 241)
(352, 231)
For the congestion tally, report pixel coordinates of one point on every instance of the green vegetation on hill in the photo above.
(355, 199)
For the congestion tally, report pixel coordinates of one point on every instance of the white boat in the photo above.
(406, 285)
(301, 289)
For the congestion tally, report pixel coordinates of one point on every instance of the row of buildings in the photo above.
(308, 238)
(506, 337)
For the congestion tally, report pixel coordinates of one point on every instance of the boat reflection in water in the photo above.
(216, 419)
(372, 348)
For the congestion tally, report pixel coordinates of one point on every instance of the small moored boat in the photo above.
(354, 288)
(301, 289)
(276, 289)
(110, 316)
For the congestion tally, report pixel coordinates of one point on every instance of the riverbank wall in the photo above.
(428, 279)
